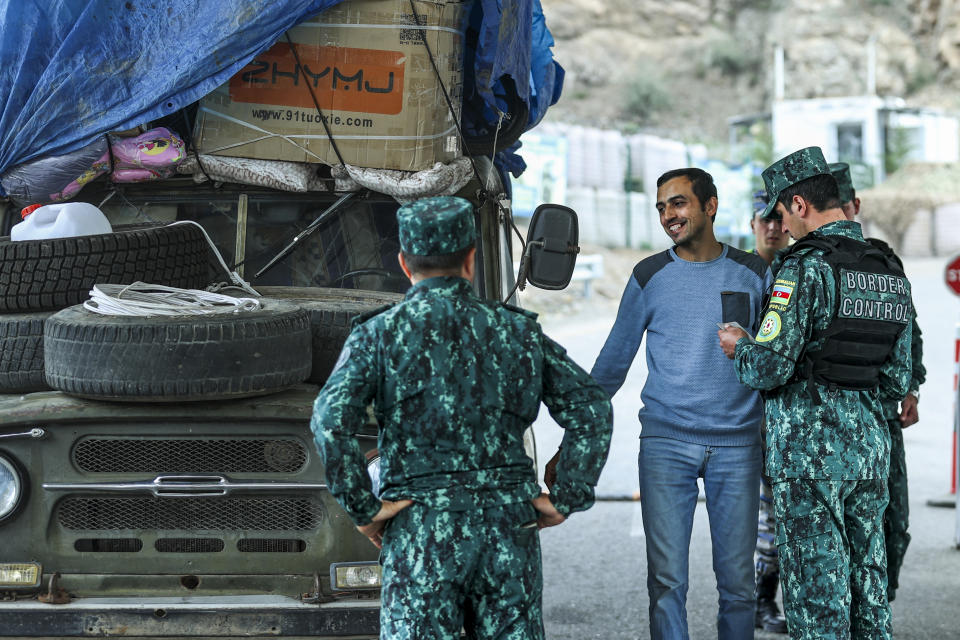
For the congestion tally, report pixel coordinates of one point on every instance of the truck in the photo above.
(155, 517)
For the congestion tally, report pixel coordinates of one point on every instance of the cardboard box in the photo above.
(372, 78)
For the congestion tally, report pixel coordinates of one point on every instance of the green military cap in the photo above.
(436, 226)
(760, 202)
(841, 171)
(791, 169)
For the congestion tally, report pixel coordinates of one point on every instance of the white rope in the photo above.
(233, 275)
(142, 299)
(493, 153)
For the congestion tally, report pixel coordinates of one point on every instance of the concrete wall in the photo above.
(651, 157)
(946, 230)
(599, 161)
(616, 219)
(598, 164)
(932, 233)
(603, 158)
(596, 158)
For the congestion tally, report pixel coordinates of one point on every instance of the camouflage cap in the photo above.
(841, 171)
(760, 202)
(436, 226)
(791, 169)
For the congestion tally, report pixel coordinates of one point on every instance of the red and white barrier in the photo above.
(956, 412)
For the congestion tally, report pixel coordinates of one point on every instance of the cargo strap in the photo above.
(316, 103)
(456, 121)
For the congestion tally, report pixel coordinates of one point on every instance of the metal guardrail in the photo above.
(589, 267)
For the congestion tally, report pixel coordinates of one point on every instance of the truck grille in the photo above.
(190, 455)
(188, 545)
(271, 545)
(205, 514)
(108, 545)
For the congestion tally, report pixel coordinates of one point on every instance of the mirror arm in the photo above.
(521, 283)
(557, 245)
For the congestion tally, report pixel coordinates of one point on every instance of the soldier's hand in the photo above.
(550, 471)
(549, 516)
(908, 411)
(728, 339)
(388, 509)
(374, 532)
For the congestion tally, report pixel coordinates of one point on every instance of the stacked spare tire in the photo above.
(49, 340)
(174, 358)
(40, 277)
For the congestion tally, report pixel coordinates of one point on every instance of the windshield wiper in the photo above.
(307, 231)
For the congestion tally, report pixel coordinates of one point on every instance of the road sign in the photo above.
(952, 275)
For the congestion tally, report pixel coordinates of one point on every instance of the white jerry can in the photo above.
(60, 220)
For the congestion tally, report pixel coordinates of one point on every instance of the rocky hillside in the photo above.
(682, 67)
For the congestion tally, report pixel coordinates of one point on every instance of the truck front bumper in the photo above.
(191, 617)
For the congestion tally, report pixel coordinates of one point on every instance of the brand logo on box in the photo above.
(343, 79)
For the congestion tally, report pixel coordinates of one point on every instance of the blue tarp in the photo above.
(71, 70)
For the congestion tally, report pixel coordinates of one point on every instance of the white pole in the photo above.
(778, 79)
(872, 66)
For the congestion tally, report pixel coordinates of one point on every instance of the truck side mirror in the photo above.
(552, 247)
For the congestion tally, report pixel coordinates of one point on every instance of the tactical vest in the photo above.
(872, 308)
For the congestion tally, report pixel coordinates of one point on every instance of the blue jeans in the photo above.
(668, 492)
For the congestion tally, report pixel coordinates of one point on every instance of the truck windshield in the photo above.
(354, 247)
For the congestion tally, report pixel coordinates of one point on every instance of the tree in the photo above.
(893, 213)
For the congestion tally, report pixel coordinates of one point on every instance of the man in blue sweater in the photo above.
(697, 420)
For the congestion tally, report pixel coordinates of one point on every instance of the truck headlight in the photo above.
(11, 487)
(20, 574)
(355, 575)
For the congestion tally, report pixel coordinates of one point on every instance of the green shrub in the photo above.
(924, 74)
(645, 95)
(897, 150)
(732, 57)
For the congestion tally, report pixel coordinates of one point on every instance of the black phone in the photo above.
(735, 307)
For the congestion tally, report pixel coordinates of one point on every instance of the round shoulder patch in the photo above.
(770, 327)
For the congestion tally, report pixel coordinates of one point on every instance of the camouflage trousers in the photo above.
(896, 518)
(766, 558)
(832, 559)
(476, 569)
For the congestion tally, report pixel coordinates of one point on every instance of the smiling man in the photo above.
(697, 420)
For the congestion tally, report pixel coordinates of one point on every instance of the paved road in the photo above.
(594, 566)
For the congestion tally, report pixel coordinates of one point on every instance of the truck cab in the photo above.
(211, 517)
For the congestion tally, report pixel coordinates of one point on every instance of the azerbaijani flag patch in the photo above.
(781, 294)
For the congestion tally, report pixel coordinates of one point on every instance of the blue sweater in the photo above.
(692, 392)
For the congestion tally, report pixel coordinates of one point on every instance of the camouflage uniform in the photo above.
(455, 381)
(896, 518)
(766, 558)
(827, 460)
